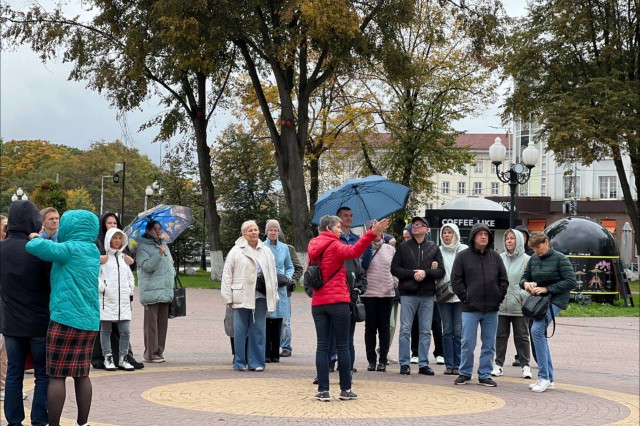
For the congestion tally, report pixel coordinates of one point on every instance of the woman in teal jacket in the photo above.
(74, 308)
(155, 278)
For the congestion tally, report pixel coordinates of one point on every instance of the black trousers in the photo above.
(436, 334)
(272, 348)
(377, 324)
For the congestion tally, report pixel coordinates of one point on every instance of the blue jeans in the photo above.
(17, 348)
(285, 333)
(545, 366)
(250, 324)
(124, 328)
(332, 318)
(451, 315)
(409, 306)
(488, 322)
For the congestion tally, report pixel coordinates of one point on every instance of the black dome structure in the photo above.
(576, 235)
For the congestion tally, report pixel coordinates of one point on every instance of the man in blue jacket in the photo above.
(479, 279)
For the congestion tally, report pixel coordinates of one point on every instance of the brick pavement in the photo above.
(596, 362)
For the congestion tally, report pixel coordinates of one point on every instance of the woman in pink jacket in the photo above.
(378, 301)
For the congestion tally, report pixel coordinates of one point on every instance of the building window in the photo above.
(494, 169)
(494, 188)
(429, 206)
(608, 187)
(477, 188)
(462, 187)
(568, 190)
(478, 168)
(445, 187)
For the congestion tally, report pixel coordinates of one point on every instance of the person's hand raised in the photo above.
(381, 226)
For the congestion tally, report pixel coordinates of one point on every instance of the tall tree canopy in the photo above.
(576, 68)
(131, 51)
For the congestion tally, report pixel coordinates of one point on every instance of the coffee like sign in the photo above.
(468, 222)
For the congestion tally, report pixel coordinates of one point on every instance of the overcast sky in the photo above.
(38, 102)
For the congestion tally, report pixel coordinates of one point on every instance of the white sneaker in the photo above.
(440, 360)
(259, 369)
(497, 371)
(541, 386)
(108, 363)
(414, 360)
(551, 386)
(123, 364)
(526, 372)
(391, 360)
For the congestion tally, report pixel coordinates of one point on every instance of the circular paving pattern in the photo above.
(264, 397)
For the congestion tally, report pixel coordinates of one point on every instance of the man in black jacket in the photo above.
(417, 264)
(24, 313)
(480, 281)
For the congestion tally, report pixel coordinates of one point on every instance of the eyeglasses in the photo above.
(418, 225)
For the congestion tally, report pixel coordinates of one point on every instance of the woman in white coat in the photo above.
(116, 284)
(250, 287)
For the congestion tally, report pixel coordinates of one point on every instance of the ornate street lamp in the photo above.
(518, 173)
(19, 195)
(153, 190)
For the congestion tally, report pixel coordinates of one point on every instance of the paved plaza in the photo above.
(596, 367)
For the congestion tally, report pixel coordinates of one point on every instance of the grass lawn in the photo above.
(203, 280)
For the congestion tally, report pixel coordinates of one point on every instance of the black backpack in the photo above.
(312, 278)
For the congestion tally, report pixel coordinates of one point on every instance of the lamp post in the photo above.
(518, 173)
(19, 195)
(153, 190)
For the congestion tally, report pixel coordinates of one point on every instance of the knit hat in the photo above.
(272, 223)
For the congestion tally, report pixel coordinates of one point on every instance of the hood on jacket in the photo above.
(242, 242)
(524, 229)
(474, 230)
(453, 246)
(107, 240)
(519, 250)
(78, 225)
(24, 218)
(318, 244)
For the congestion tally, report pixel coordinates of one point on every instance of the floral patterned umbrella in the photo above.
(173, 219)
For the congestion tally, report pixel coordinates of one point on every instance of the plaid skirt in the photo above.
(68, 350)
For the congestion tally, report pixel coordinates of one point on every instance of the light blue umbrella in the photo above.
(372, 197)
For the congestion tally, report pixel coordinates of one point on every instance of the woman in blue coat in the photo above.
(284, 268)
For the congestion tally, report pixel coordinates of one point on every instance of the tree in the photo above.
(575, 67)
(130, 51)
(245, 175)
(425, 75)
(300, 45)
(79, 199)
(49, 194)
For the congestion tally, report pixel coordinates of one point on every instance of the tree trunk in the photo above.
(212, 219)
(291, 168)
(632, 206)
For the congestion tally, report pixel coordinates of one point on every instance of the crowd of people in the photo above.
(67, 284)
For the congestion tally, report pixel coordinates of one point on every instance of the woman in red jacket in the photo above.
(330, 304)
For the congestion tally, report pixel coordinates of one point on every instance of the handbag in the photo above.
(358, 312)
(178, 306)
(261, 284)
(444, 292)
(536, 307)
(312, 277)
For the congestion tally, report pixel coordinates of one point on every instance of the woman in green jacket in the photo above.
(548, 272)
(155, 279)
(74, 308)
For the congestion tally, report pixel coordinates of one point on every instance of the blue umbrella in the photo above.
(173, 219)
(372, 197)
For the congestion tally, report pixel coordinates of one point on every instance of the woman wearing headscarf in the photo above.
(250, 287)
(284, 270)
(155, 279)
(510, 314)
(451, 309)
(330, 303)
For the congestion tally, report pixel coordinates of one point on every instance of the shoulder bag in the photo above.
(312, 277)
(358, 312)
(178, 306)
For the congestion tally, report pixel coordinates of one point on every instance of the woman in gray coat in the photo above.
(155, 279)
